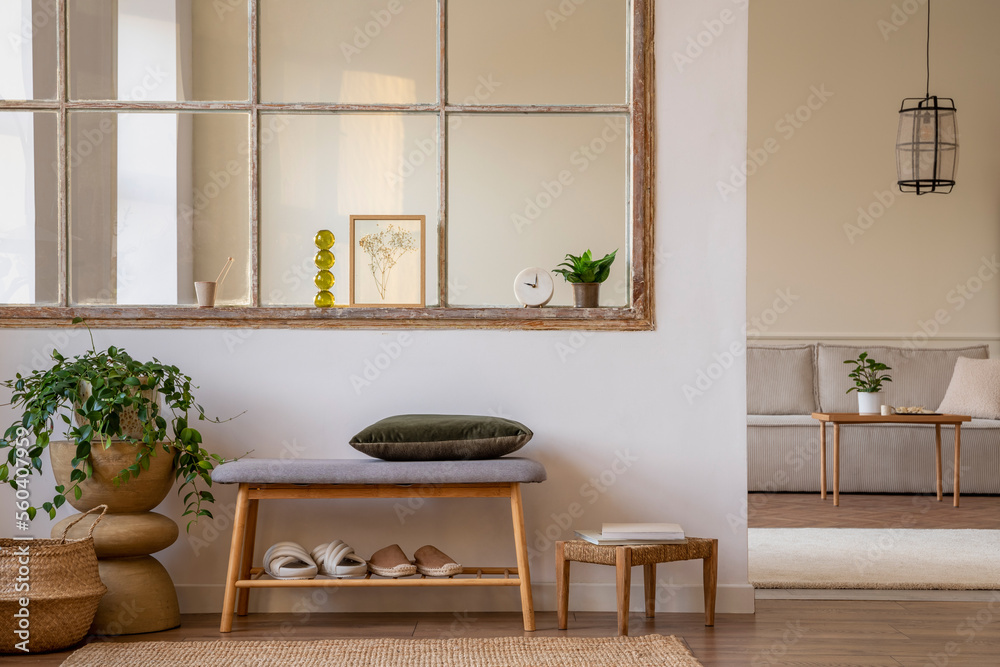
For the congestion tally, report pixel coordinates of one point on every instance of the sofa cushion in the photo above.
(441, 438)
(919, 377)
(780, 380)
(974, 389)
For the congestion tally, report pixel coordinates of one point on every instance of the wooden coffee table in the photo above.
(838, 418)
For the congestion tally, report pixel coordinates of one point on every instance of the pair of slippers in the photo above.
(289, 560)
(427, 560)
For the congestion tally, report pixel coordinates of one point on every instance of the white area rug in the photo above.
(880, 559)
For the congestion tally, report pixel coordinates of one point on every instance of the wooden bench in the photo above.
(266, 479)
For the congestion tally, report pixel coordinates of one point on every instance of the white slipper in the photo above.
(337, 559)
(289, 560)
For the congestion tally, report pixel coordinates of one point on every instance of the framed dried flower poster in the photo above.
(387, 260)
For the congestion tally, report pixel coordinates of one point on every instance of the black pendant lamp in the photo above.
(927, 141)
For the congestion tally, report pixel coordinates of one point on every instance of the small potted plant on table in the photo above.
(586, 275)
(868, 376)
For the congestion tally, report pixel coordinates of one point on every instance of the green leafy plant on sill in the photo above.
(868, 374)
(585, 269)
(99, 388)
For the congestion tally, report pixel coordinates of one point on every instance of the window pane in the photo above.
(358, 52)
(28, 60)
(158, 201)
(565, 190)
(527, 52)
(158, 50)
(319, 170)
(29, 218)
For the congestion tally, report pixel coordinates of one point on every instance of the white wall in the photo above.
(592, 400)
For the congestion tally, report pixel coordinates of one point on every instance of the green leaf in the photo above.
(77, 492)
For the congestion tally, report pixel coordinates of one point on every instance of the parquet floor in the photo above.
(806, 510)
(800, 633)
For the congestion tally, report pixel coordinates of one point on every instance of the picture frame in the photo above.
(388, 261)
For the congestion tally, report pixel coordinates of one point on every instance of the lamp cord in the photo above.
(928, 49)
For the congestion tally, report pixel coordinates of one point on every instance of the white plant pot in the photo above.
(869, 403)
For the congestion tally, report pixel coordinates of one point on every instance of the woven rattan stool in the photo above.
(623, 558)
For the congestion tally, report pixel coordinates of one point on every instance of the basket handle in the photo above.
(90, 533)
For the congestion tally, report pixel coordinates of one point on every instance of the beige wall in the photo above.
(909, 259)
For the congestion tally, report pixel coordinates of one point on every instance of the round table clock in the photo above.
(533, 287)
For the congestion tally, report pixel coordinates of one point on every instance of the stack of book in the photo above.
(634, 533)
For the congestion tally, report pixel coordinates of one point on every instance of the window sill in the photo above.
(192, 317)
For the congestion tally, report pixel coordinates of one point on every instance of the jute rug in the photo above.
(898, 559)
(644, 651)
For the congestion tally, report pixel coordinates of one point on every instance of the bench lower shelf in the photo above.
(495, 576)
(241, 577)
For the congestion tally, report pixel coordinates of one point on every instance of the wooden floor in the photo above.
(801, 510)
(803, 633)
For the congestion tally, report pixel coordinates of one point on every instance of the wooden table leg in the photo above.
(937, 461)
(521, 546)
(243, 596)
(836, 464)
(235, 551)
(710, 578)
(822, 460)
(958, 459)
(562, 585)
(623, 566)
(649, 586)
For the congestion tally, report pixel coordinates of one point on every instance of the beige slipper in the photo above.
(391, 562)
(432, 562)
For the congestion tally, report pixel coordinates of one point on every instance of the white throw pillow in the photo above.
(974, 389)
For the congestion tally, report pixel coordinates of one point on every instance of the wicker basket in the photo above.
(65, 588)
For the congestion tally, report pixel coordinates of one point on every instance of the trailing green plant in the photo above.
(99, 387)
(868, 374)
(585, 269)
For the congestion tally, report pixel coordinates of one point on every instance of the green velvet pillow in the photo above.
(441, 438)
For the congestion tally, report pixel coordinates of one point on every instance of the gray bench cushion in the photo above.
(365, 471)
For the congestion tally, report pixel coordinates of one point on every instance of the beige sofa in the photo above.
(786, 383)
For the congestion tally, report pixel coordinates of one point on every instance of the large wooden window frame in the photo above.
(638, 315)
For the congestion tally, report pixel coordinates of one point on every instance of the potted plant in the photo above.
(119, 431)
(586, 275)
(868, 376)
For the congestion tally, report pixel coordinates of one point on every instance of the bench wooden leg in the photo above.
(562, 585)
(235, 551)
(623, 567)
(243, 596)
(649, 583)
(521, 546)
(710, 578)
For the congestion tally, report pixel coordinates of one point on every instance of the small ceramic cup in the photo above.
(205, 290)
(886, 410)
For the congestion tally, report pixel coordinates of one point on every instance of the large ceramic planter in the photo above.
(586, 295)
(141, 596)
(869, 403)
(139, 494)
